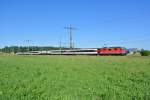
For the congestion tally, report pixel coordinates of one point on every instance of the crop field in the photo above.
(74, 78)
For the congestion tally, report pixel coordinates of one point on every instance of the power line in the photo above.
(70, 28)
(119, 41)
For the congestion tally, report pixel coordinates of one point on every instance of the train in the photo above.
(79, 51)
(112, 51)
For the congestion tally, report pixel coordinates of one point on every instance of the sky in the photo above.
(98, 23)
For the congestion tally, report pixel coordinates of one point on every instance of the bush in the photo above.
(145, 52)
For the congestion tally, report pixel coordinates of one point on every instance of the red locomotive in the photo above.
(112, 51)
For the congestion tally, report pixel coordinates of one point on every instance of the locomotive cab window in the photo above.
(116, 49)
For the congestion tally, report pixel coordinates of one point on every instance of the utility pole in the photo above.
(70, 28)
(28, 44)
(60, 47)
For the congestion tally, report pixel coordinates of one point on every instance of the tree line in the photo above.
(15, 49)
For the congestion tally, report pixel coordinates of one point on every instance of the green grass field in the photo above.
(74, 78)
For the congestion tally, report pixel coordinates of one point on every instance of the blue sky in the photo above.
(98, 22)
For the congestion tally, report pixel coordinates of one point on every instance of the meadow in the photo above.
(74, 78)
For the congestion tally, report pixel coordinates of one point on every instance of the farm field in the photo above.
(74, 78)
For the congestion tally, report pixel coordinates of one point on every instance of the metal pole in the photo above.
(70, 28)
(60, 45)
(70, 37)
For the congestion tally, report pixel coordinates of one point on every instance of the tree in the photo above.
(145, 52)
